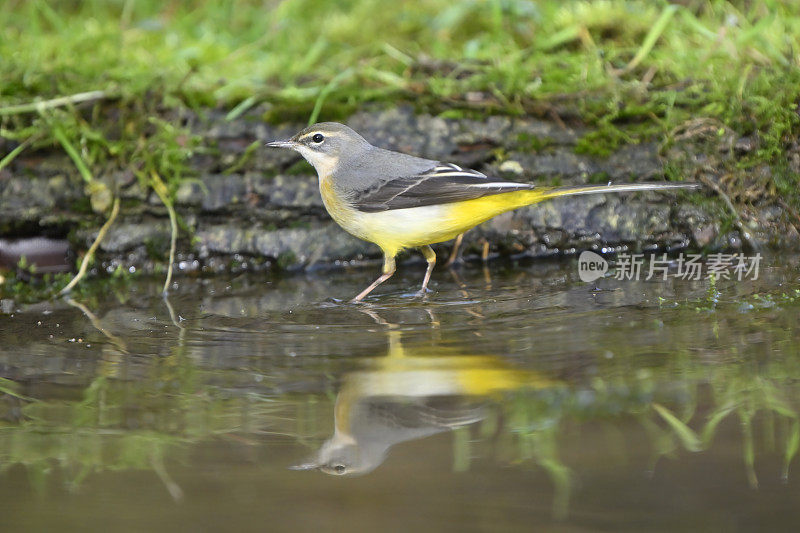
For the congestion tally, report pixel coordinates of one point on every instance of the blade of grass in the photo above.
(92, 249)
(10, 388)
(749, 449)
(791, 450)
(163, 194)
(54, 102)
(400, 56)
(323, 94)
(244, 158)
(652, 36)
(243, 106)
(715, 419)
(14, 153)
(73, 154)
(688, 437)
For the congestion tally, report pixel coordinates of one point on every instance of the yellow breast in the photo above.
(342, 212)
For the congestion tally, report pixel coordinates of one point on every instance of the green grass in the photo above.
(635, 69)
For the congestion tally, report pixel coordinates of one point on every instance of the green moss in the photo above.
(533, 143)
(286, 260)
(157, 247)
(282, 112)
(23, 288)
(82, 205)
(337, 57)
(602, 142)
(787, 183)
(598, 178)
(452, 110)
(455, 114)
(299, 224)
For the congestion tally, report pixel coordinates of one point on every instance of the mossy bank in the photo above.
(247, 206)
(157, 105)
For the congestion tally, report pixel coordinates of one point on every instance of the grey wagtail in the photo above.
(410, 394)
(399, 201)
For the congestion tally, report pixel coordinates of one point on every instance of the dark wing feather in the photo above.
(442, 184)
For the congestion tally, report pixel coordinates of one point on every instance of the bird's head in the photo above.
(344, 457)
(325, 145)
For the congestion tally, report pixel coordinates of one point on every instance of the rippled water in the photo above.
(509, 398)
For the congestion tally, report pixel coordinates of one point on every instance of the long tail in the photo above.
(571, 190)
(461, 216)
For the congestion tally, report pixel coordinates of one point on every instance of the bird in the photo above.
(409, 394)
(400, 201)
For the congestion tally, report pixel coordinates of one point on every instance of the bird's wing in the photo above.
(442, 184)
(396, 419)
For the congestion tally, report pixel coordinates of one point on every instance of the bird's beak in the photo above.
(282, 144)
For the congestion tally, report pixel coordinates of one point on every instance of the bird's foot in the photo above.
(423, 292)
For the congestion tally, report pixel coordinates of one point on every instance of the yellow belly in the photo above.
(396, 229)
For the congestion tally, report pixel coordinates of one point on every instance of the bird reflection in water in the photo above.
(408, 395)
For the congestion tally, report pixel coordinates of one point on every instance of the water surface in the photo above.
(515, 397)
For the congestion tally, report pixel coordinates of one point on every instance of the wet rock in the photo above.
(399, 129)
(291, 248)
(214, 192)
(231, 138)
(704, 229)
(495, 130)
(251, 200)
(299, 191)
(125, 236)
(20, 192)
(632, 222)
(582, 222)
(746, 144)
(37, 205)
(275, 198)
(640, 162)
(42, 254)
(550, 132)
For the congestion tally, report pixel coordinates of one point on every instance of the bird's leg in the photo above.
(388, 270)
(454, 253)
(461, 285)
(485, 258)
(430, 257)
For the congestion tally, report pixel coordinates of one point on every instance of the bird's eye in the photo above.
(339, 469)
(318, 138)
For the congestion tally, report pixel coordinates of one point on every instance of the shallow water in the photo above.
(510, 398)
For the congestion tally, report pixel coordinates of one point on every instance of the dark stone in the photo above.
(268, 204)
